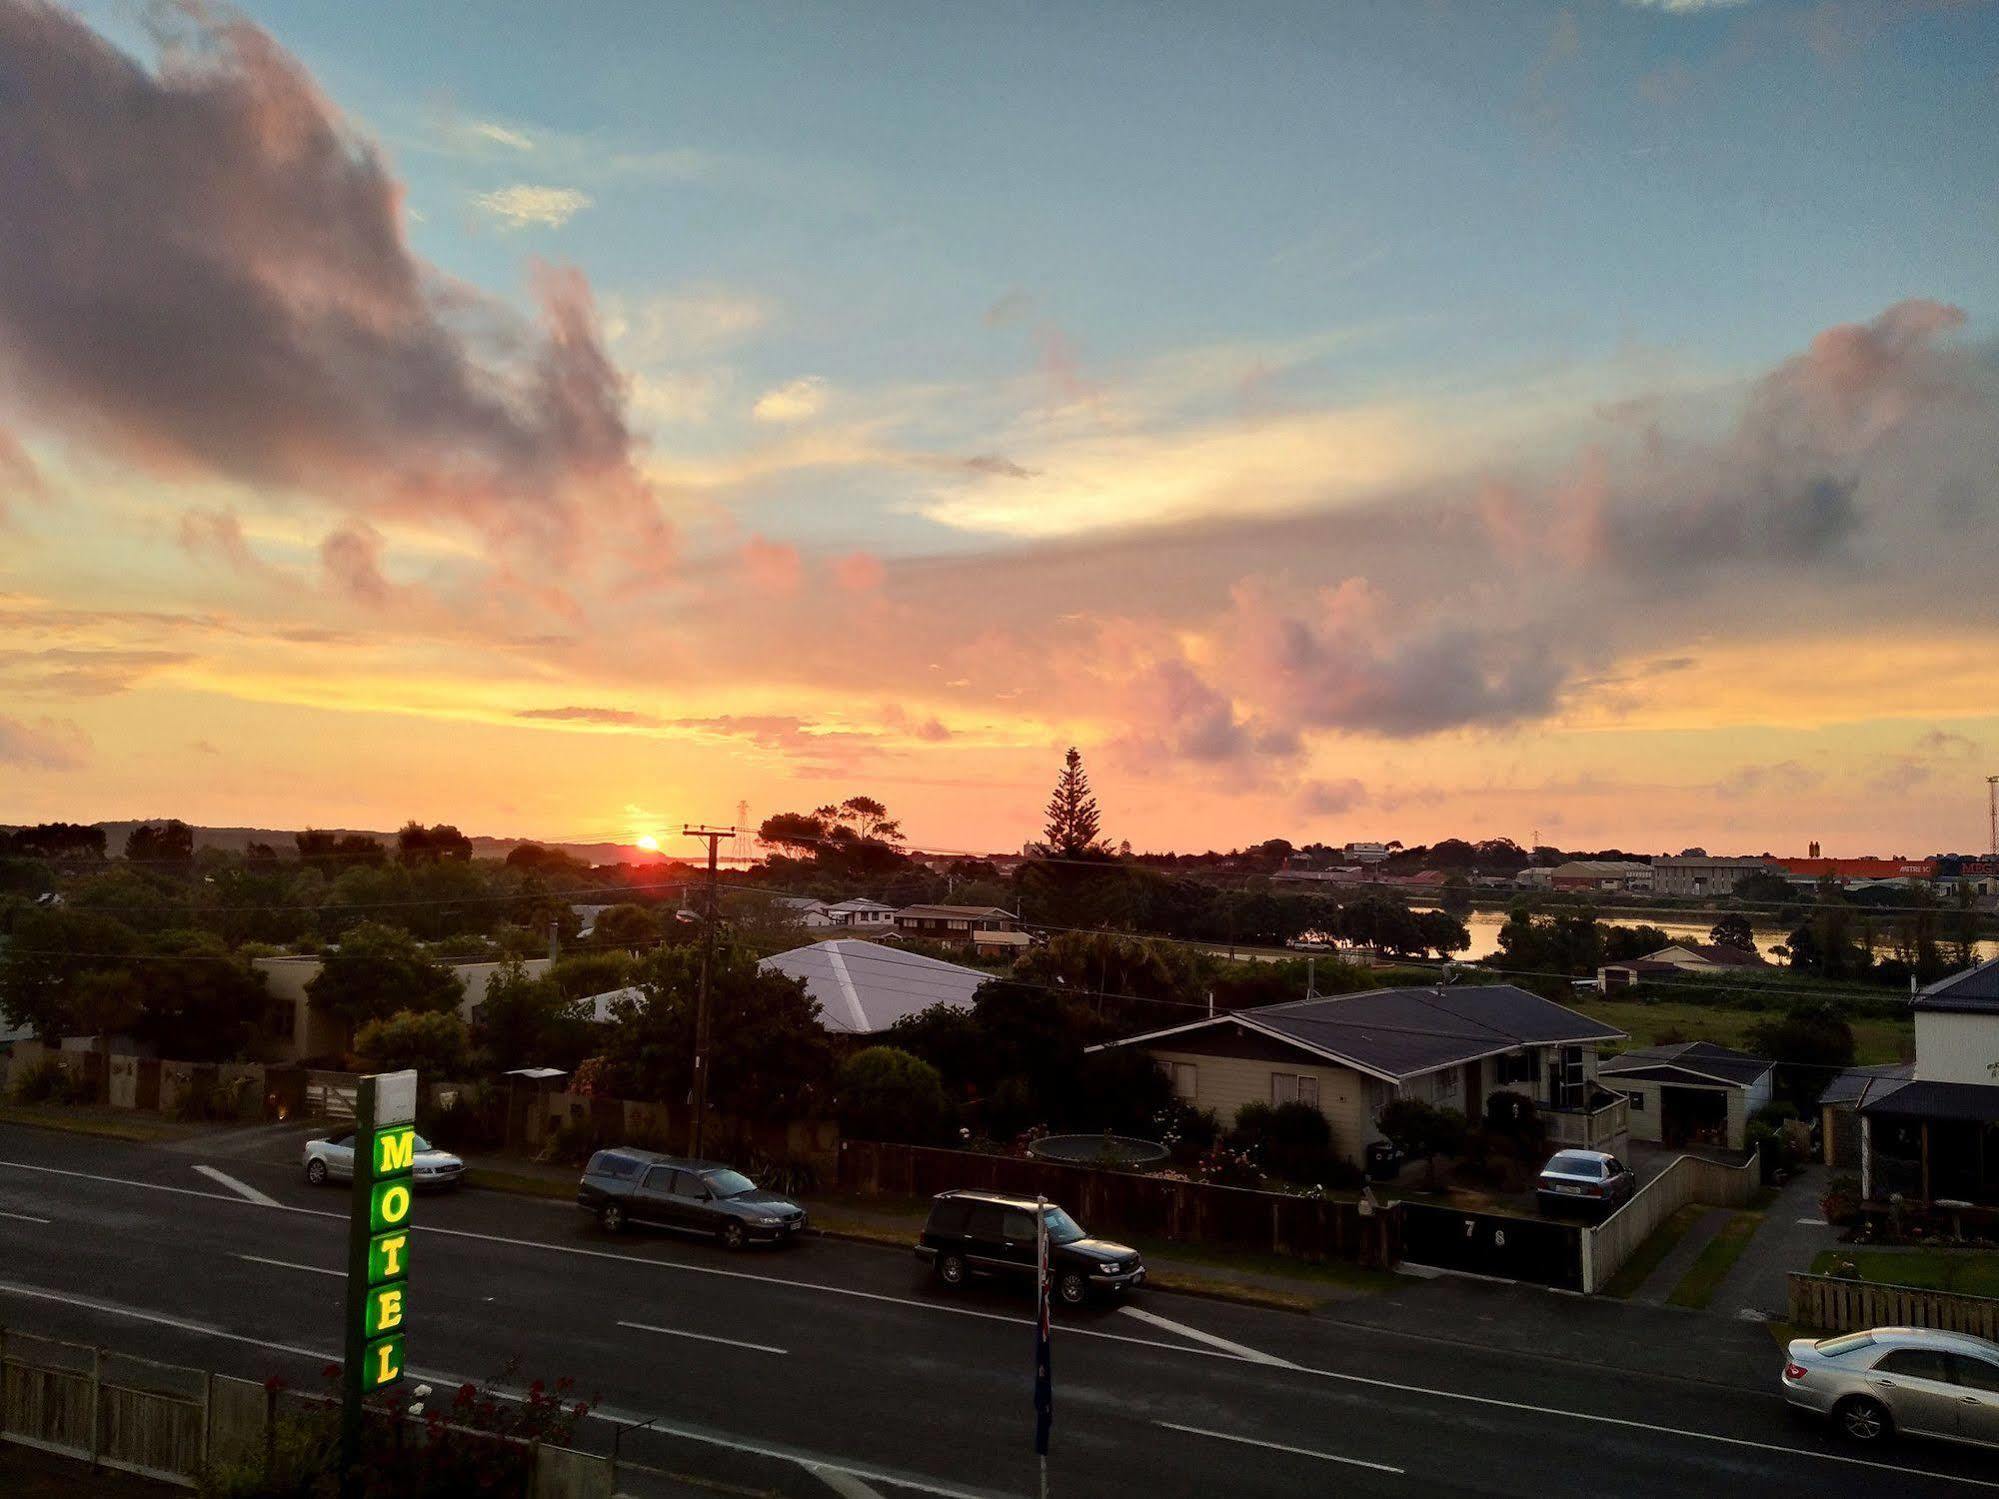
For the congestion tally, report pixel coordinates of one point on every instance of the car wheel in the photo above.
(612, 1217)
(1863, 1420)
(734, 1237)
(951, 1270)
(1072, 1288)
(315, 1172)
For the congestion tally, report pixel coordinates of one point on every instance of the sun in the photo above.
(649, 843)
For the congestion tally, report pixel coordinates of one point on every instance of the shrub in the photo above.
(47, 1081)
(1187, 1133)
(434, 1044)
(1515, 1116)
(884, 1093)
(1423, 1130)
(1841, 1203)
(791, 1175)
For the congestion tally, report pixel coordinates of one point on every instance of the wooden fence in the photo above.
(1836, 1305)
(1691, 1178)
(1308, 1228)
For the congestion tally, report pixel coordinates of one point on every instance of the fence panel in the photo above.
(330, 1096)
(1608, 1244)
(1544, 1251)
(1836, 1305)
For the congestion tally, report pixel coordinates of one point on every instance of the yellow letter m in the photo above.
(398, 1151)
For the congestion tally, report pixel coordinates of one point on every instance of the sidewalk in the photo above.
(1793, 1231)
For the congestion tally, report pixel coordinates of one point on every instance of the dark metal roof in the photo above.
(1718, 1063)
(1973, 989)
(1405, 1032)
(1921, 1100)
(1858, 1084)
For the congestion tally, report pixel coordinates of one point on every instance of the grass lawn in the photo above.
(1704, 1276)
(1646, 1257)
(1968, 1272)
(1874, 1041)
(89, 1119)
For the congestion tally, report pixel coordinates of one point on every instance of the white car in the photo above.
(333, 1160)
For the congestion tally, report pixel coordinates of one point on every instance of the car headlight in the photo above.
(1110, 1267)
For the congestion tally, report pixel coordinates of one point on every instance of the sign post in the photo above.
(378, 1250)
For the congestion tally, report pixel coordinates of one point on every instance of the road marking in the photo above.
(242, 1189)
(1207, 1337)
(179, 1324)
(1324, 1457)
(842, 1482)
(1813, 1223)
(702, 1337)
(258, 1259)
(23, 1218)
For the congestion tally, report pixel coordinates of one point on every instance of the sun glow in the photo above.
(649, 843)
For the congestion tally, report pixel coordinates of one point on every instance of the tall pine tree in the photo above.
(1072, 812)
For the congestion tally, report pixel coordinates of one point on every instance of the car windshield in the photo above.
(728, 1183)
(1834, 1347)
(421, 1144)
(1062, 1229)
(1572, 1163)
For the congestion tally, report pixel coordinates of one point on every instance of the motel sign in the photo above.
(378, 1242)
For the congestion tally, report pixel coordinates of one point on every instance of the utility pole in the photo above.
(714, 837)
(1992, 815)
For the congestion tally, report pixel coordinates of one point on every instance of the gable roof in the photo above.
(1858, 1084)
(1721, 954)
(954, 911)
(859, 903)
(1702, 1059)
(864, 987)
(1973, 989)
(1394, 1034)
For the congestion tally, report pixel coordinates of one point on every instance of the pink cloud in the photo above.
(859, 572)
(772, 566)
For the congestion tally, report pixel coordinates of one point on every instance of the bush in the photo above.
(1515, 1116)
(207, 1102)
(475, 1119)
(1187, 1133)
(435, 1045)
(1841, 1203)
(47, 1081)
(886, 1094)
(790, 1175)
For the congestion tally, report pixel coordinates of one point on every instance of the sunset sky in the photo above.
(1339, 420)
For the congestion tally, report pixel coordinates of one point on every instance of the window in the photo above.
(1308, 1090)
(1569, 1078)
(948, 1216)
(1186, 1080)
(1637, 1101)
(1521, 1067)
(1293, 1087)
(659, 1179)
(1975, 1373)
(1016, 1227)
(689, 1184)
(985, 1222)
(1915, 1363)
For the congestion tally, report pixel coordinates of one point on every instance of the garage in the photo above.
(1691, 1094)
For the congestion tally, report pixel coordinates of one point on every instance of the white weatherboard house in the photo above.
(1350, 1055)
(1691, 1093)
(865, 987)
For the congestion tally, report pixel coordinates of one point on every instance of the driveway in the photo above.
(1792, 1233)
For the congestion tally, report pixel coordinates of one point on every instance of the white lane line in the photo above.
(702, 1337)
(1324, 1457)
(258, 1259)
(1207, 1337)
(842, 1482)
(179, 1324)
(23, 1218)
(242, 1189)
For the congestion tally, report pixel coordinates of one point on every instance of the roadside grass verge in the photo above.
(106, 1124)
(1717, 1257)
(1635, 1271)
(1963, 1272)
(493, 1179)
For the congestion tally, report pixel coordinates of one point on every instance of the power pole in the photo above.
(1992, 815)
(714, 837)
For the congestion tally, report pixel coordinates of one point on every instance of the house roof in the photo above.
(598, 1007)
(1858, 1084)
(859, 903)
(954, 911)
(864, 987)
(1721, 954)
(1972, 989)
(1926, 1100)
(1400, 1033)
(1701, 1059)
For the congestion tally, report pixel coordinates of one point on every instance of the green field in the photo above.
(1873, 1040)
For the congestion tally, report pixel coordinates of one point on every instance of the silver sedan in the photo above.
(333, 1160)
(1911, 1381)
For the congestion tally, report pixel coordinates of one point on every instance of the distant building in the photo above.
(953, 923)
(1811, 871)
(1706, 874)
(864, 915)
(296, 1028)
(863, 988)
(1600, 874)
(811, 914)
(1367, 853)
(1690, 1093)
(1679, 957)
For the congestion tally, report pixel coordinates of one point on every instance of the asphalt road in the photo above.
(845, 1356)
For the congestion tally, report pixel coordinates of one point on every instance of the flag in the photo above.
(1044, 1377)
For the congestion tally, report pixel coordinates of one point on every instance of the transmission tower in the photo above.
(1992, 815)
(741, 847)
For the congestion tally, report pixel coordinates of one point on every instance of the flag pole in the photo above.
(1044, 1377)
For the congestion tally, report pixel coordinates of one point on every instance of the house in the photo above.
(813, 915)
(297, 1028)
(1705, 874)
(1366, 853)
(953, 923)
(1692, 1093)
(1003, 944)
(1350, 1055)
(1934, 1137)
(863, 988)
(1600, 874)
(1839, 1108)
(601, 1009)
(862, 914)
(1678, 957)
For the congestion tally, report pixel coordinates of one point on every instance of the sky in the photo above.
(1341, 421)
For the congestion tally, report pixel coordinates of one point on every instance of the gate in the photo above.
(1541, 1251)
(330, 1096)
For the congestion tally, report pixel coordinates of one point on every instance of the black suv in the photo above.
(692, 1197)
(981, 1233)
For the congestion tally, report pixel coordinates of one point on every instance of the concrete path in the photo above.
(1792, 1232)
(1680, 1258)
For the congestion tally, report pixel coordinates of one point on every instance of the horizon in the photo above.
(1341, 422)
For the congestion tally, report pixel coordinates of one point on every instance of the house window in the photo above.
(1520, 1067)
(1637, 1101)
(1308, 1090)
(1186, 1082)
(1569, 1078)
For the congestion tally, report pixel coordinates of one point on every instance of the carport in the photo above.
(1692, 1093)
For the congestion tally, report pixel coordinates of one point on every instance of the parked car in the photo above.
(1585, 1180)
(980, 1233)
(1906, 1381)
(333, 1160)
(627, 1186)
